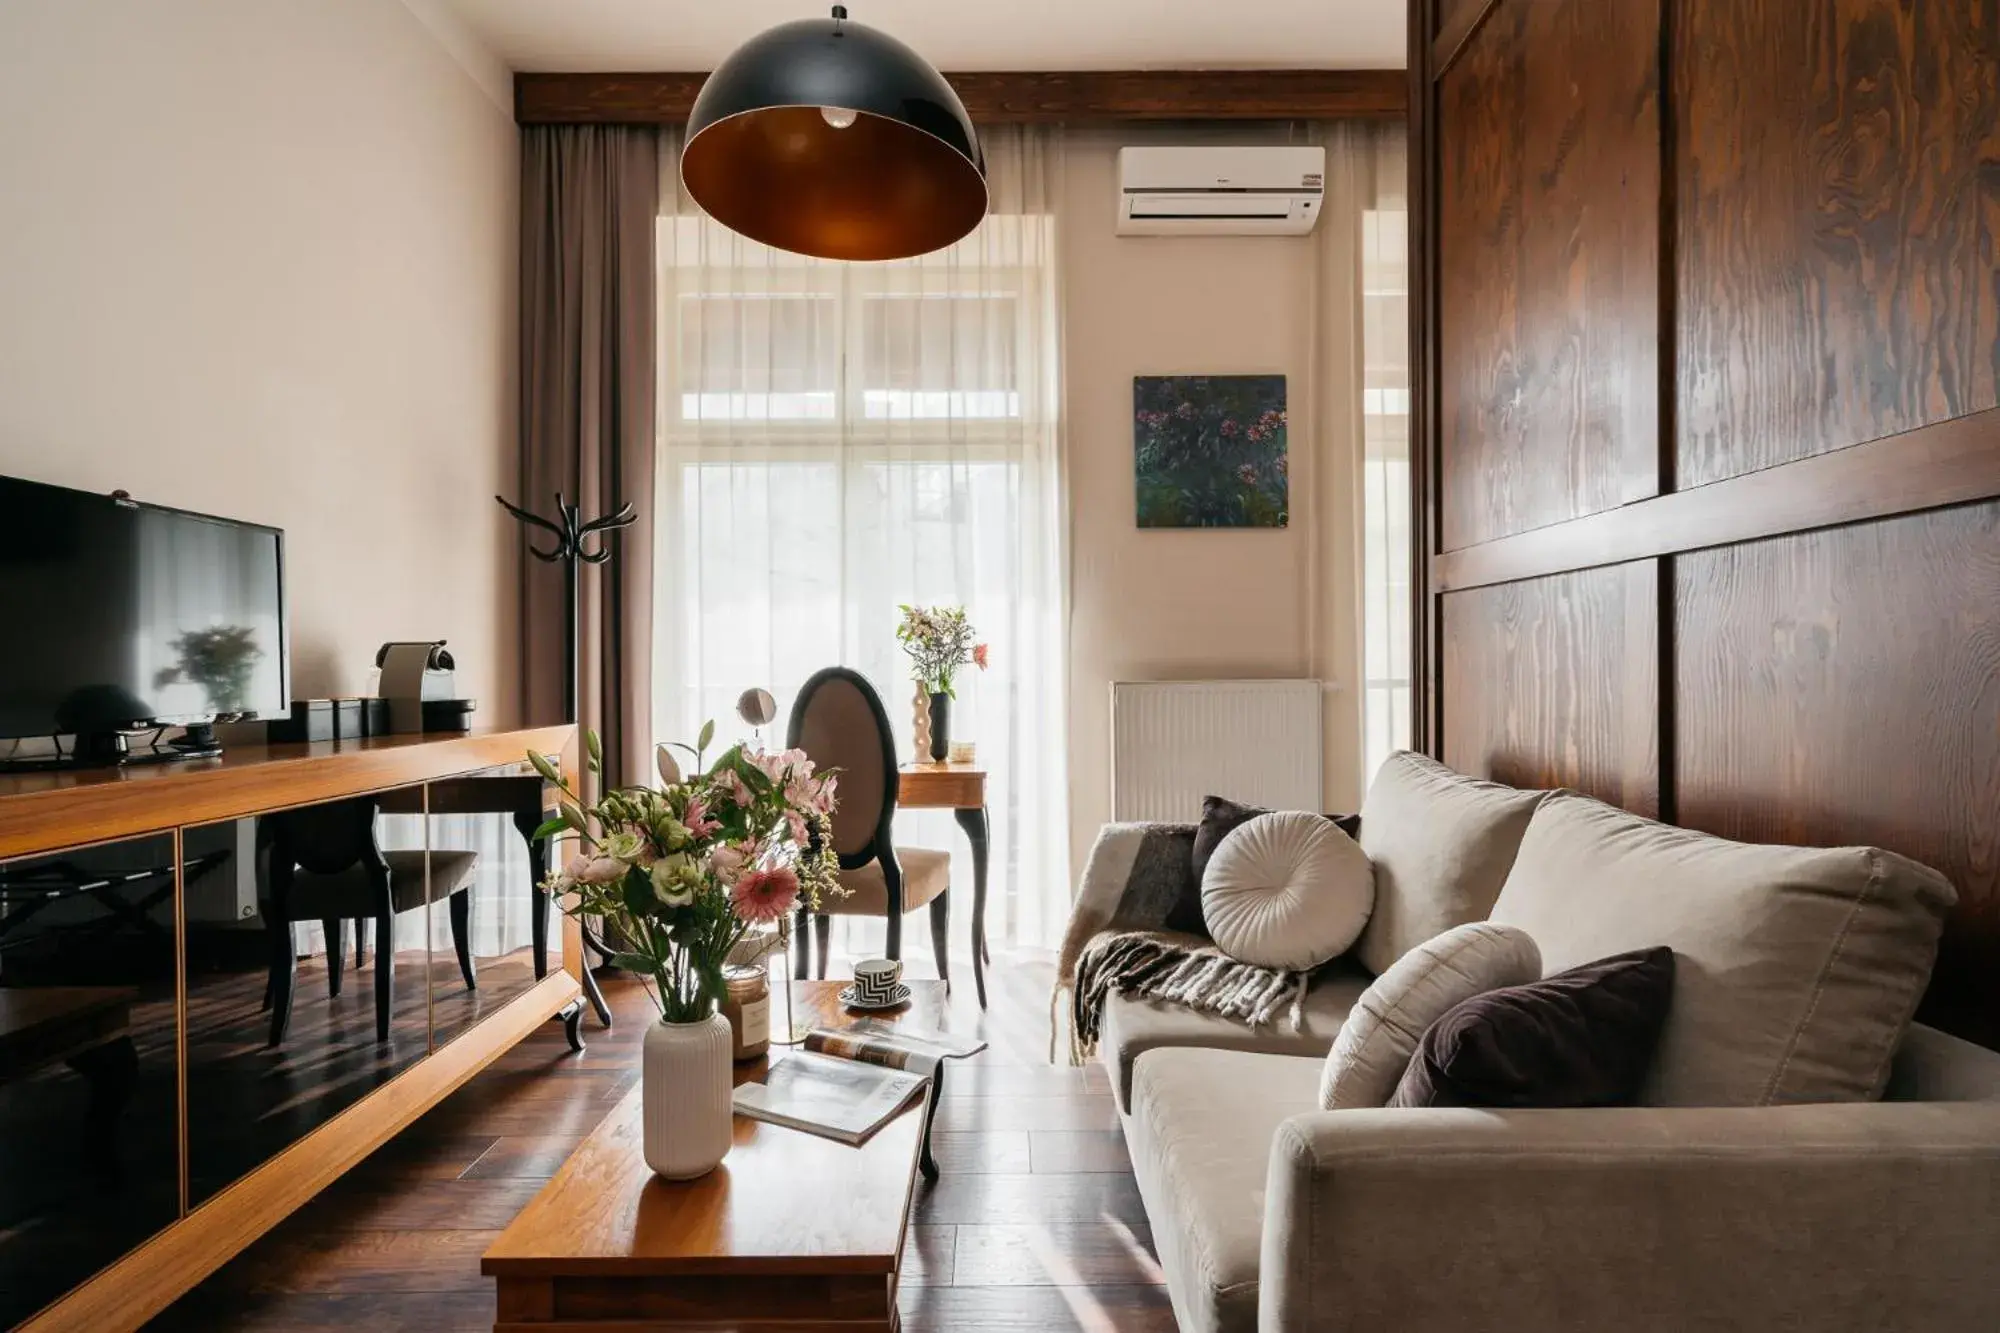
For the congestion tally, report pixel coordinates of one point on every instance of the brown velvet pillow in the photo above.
(1579, 1038)
(1219, 817)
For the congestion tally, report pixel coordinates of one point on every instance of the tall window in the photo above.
(837, 440)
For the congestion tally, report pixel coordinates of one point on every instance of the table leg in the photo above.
(526, 821)
(925, 1162)
(975, 824)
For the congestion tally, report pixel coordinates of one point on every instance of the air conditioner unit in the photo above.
(1263, 191)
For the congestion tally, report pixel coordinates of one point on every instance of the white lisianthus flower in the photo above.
(624, 845)
(672, 834)
(674, 879)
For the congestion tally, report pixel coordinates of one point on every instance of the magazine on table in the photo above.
(846, 1083)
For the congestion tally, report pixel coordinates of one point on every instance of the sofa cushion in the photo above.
(1796, 969)
(1287, 890)
(1219, 818)
(1442, 844)
(1200, 1135)
(1374, 1046)
(1131, 1027)
(1583, 1037)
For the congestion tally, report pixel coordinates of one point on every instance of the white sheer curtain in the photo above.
(838, 439)
(1363, 397)
(1386, 558)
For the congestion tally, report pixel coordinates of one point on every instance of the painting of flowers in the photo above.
(1210, 451)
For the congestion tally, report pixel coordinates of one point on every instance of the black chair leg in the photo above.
(283, 953)
(385, 948)
(892, 879)
(823, 936)
(334, 928)
(360, 942)
(385, 974)
(941, 937)
(461, 936)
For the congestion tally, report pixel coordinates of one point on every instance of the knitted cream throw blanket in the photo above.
(1116, 941)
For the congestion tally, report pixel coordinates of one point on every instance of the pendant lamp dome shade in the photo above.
(826, 137)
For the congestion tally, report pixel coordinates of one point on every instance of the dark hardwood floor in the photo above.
(1035, 1224)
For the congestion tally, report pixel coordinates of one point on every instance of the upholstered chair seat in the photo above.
(926, 876)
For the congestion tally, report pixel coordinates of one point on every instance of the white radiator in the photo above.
(1174, 742)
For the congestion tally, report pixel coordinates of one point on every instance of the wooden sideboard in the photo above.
(43, 814)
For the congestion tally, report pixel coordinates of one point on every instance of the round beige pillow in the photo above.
(1382, 1030)
(1287, 890)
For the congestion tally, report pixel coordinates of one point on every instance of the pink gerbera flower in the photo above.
(979, 655)
(765, 895)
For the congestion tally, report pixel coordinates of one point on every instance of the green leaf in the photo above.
(634, 962)
(639, 900)
(550, 828)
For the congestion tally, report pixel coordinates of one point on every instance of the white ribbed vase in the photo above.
(685, 1078)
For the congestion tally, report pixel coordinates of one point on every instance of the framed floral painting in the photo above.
(1210, 451)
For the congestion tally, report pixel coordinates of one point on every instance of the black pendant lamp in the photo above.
(826, 137)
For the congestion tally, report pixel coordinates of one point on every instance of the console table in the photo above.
(961, 789)
(50, 812)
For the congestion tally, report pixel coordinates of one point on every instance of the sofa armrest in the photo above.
(1827, 1217)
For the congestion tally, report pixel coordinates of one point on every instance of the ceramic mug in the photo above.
(875, 980)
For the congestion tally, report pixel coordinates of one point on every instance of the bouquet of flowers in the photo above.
(681, 873)
(939, 642)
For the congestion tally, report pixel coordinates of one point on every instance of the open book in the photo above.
(846, 1083)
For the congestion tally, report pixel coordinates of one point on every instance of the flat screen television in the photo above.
(121, 616)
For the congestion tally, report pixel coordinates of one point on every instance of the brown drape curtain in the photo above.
(589, 198)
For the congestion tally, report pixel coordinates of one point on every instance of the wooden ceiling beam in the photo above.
(1016, 98)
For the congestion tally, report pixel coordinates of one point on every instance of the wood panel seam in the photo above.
(1932, 467)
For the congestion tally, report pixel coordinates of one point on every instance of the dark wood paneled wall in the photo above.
(1707, 361)
(1523, 664)
(1548, 223)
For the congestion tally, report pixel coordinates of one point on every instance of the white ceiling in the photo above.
(954, 34)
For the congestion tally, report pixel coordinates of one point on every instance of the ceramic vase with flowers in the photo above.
(681, 874)
(939, 640)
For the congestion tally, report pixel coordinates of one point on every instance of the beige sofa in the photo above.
(1271, 1214)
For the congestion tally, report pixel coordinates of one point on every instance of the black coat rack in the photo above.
(573, 549)
(570, 533)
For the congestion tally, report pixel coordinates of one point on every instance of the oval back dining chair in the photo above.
(839, 721)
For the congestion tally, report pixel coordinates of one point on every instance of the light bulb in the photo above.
(839, 117)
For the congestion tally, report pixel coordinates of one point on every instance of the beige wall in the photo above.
(1162, 605)
(258, 259)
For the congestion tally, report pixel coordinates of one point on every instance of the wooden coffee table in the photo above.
(792, 1231)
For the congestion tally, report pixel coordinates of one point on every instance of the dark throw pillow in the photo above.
(1584, 1037)
(1219, 817)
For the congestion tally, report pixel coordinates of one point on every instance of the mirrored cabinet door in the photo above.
(308, 958)
(90, 1121)
(493, 935)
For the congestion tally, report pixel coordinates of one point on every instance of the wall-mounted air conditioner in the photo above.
(1263, 191)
